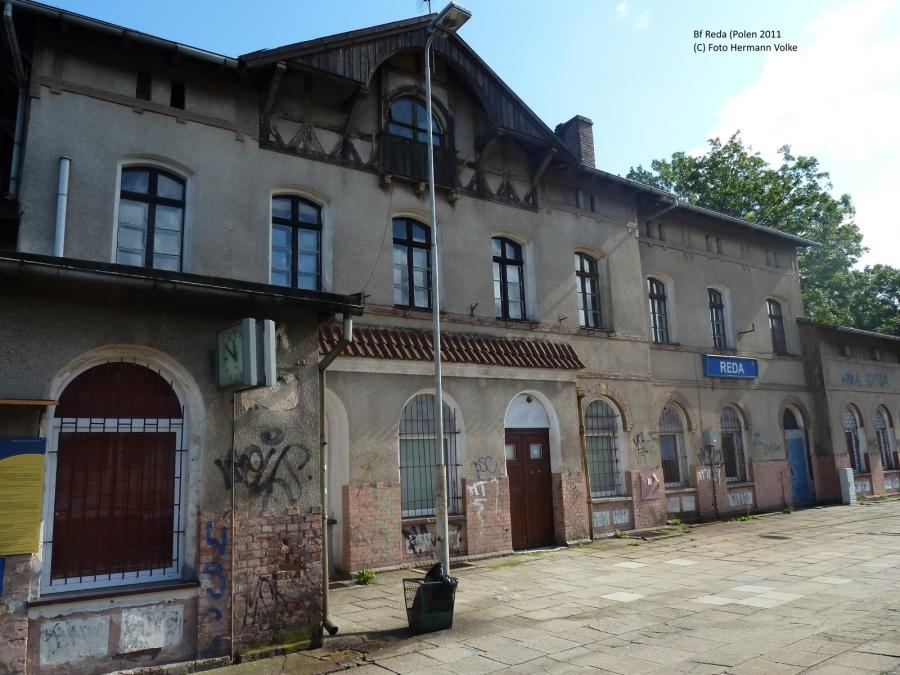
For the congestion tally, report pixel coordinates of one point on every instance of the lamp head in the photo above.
(449, 20)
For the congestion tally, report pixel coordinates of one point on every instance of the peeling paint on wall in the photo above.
(151, 627)
(74, 640)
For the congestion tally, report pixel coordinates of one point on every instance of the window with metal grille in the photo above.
(115, 470)
(601, 428)
(858, 460)
(419, 455)
(884, 441)
(296, 243)
(733, 446)
(671, 446)
(408, 118)
(509, 281)
(659, 320)
(717, 318)
(587, 276)
(151, 219)
(412, 264)
(776, 326)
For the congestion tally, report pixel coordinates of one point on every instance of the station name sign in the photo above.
(730, 366)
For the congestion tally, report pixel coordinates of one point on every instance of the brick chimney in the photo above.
(578, 136)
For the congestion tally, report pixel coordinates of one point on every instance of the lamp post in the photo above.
(447, 22)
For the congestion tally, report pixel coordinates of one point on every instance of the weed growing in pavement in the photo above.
(508, 562)
(675, 522)
(620, 534)
(743, 518)
(365, 577)
(686, 529)
(788, 509)
(633, 542)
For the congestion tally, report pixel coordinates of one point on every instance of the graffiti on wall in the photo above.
(215, 583)
(640, 443)
(266, 468)
(851, 379)
(478, 492)
(485, 468)
(283, 597)
(418, 540)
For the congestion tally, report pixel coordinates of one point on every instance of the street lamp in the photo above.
(447, 22)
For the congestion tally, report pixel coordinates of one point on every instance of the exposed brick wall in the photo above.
(578, 136)
(877, 473)
(214, 565)
(825, 476)
(772, 481)
(373, 534)
(647, 512)
(488, 528)
(610, 515)
(700, 477)
(14, 613)
(570, 512)
(277, 576)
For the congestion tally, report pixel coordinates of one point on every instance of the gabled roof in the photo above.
(356, 55)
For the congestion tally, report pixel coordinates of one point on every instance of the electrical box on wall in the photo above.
(711, 438)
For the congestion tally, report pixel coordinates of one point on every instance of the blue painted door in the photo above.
(800, 483)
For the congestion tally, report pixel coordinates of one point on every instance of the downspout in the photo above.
(19, 134)
(579, 395)
(62, 201)
(674, 205)
(346, 338)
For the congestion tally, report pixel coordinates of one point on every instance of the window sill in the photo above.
(595, 332)
(608, 500)
(64, 597)
(679, 489)
(738, 483)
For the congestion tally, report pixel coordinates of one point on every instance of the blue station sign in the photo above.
(737, 367)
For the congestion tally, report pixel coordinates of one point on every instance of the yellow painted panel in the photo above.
(21, 482)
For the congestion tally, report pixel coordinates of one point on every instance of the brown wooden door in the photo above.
(530, 488)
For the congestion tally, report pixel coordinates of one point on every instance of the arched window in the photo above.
(509, 279)
(671, 446)
(659, 320)
(882, 424)
(296, 243)
(850, 422)
(408, 118)
(412, 264)
(151, 219)
(419, 454)
(733, 446)
(588, 279)
(605, 468)
(789, 420)
(776, 326)
(717, 318)
(116, 478)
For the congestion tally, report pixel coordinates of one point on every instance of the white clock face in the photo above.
(231, 356)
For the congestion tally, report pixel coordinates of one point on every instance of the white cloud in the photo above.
(837, 98)
(643, 20)
(622, 9)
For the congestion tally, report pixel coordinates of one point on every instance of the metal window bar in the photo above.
(601, 435)
(117, 486)
(851, 437)
(717, 318)
(671, 443)
(884, 444)
(659, 321)
(419, 455)
(733, 447)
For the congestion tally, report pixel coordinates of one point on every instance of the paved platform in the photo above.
(814, 591)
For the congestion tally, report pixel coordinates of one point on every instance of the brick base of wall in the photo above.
(570, 511)
(214, 564)
(372, 536)
(650, 512)
(488, 528)
(825, 476)
(772, 483)
(278, 577)
(877, 471)
(16, 584)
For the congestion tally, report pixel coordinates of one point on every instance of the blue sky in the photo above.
(630, 66)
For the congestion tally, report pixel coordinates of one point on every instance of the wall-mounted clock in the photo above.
(236, 354)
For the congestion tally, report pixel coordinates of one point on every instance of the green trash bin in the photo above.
(429, 605)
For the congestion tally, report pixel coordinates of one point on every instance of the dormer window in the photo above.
(408, 118)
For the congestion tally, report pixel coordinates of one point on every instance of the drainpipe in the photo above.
(62, 200)
(346, 338)
(674, 205)
(21, 82)
(579, 395)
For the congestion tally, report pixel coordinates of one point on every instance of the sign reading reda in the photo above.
(730, 366)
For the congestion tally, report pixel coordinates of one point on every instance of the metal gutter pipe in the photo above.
(21, 82)
(674, 205)
(62, 201)
(346, 338)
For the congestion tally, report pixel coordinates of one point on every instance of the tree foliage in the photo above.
(794, 197)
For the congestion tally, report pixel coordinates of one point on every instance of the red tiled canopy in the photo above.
(415, 345)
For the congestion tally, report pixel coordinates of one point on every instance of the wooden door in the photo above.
(530, 488)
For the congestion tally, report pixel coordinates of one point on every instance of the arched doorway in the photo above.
(527, 452)
(798, 461)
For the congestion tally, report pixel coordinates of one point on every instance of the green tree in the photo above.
(794, 197)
